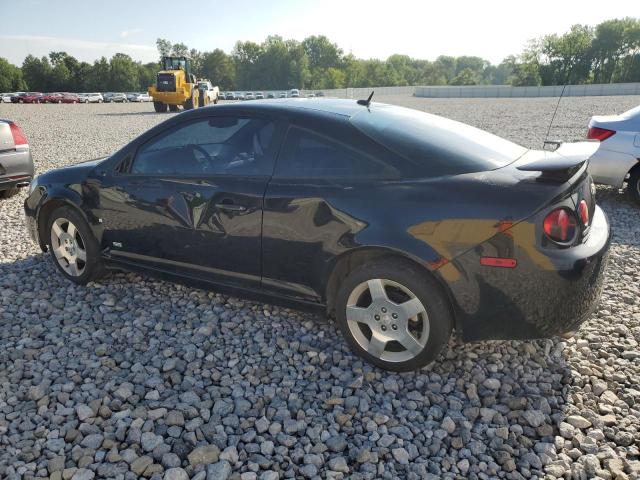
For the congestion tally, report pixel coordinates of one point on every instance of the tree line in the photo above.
(606, 53)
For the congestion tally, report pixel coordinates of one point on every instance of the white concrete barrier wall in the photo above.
(363, 92)
(480, 91)
(499, 91)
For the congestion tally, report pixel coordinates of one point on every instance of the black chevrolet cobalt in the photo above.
(401, 224)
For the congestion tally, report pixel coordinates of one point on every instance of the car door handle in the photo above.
(231, 207)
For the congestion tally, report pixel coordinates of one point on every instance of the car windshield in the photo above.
(435, 145)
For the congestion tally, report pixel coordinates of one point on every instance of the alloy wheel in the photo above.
(387, 320)
(68, 247)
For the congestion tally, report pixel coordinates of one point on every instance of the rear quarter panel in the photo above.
(309, 226)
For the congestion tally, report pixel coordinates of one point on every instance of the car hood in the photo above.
(74, 173)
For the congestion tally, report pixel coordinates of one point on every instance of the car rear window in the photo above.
(433, 145)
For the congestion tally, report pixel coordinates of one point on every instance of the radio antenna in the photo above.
(546, 137)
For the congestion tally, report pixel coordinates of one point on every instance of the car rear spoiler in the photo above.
(561, 164)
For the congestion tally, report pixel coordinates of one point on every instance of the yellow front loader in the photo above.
(175, 86)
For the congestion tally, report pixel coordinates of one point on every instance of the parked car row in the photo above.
(66, 97)
(293, 93)
(38, 97)
(121, 97)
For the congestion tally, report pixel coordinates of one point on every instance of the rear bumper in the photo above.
(16, 169)
(550, 292)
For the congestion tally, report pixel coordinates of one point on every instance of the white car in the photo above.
(212, 93)
(93, 97)
(618, 157)
(140, 97)
(5, 97)
(295, 93)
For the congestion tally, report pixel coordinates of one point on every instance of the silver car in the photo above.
(618, 157)
(16, 165)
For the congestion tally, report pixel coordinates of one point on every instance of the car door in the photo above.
(189, 201)
(318, 204)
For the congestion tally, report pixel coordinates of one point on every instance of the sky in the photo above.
(424, 29)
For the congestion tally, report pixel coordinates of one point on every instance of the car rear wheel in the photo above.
(73, 247)
(393, 315)
(633, 185)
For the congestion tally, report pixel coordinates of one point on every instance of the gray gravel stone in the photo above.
(175, 474)
(204, 455)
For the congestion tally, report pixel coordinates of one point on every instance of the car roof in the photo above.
(336, 106)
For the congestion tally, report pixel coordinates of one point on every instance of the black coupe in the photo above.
(402, 224)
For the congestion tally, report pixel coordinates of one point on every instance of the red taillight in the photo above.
(600, 134)
(560, 225)
(19, 138)
(583, 211)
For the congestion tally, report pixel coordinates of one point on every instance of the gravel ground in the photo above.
(133, 377)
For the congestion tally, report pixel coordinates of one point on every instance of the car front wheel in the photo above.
(393, 315)
(73, 247)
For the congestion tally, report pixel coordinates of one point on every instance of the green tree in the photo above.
(123, 73)
(447, 66)
(10, 77)
(322, 53)
(332, 78)
(99, 77)
(37, 73)
(566, 58)
(219, 68)
(179, 50)
(146, 75)
(432, 75)
(524, 71)
(465, 77)
(164, 47)
(245, 56)
(615, 45)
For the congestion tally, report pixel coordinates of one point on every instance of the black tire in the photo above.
(93, 267)
(9, 192)
(160, 107)
(192, 102)
(633, 185)
(173, 108)
(201, 99)
(427, 291)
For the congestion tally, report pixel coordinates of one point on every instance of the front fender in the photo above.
(47, 198)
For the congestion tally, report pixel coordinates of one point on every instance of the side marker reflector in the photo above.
(498, 262)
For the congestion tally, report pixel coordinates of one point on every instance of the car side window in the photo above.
(209, 146)
(307, 154)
